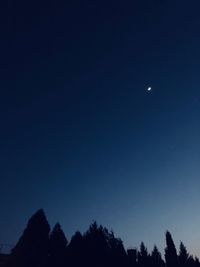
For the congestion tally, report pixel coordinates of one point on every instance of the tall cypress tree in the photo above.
(32, 247)
(171, 257)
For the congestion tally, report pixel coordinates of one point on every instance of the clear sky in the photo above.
(80, 135)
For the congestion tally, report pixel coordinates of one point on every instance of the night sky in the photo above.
(80, 134)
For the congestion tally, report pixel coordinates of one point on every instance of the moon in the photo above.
(149, 89)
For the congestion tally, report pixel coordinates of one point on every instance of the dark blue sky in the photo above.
(80, 135)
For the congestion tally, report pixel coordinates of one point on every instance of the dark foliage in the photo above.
(32, 248)
(97, 247)
(57, 247)
(171, 257)
(132, 257)
(183, 256)
(156, 258)
(75, 255)
(143, 256)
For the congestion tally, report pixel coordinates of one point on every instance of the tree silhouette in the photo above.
(156, 258)
(32, 248)
(183, 255)
(143, 256)
(117, 253)
(57, 246)
(171, 257)
(132, 257)
(97, 247)
(196, 262)
(76, 255)
(102, 248)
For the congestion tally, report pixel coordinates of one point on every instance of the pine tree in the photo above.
(143, 256)
(95, 245)
(32, 248)
(76, 251)
(171, 257)
(76, 241)
(183, 255)
(116, 252)
(57, 246)
(156, 258)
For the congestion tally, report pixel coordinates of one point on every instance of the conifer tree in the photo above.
(95, 245)
(143, 256)
(183, 255)
(117, 253)
(156, 258)
(171, 257)
(76, 242)
(32, 248)
(57, 246)
(76, 251)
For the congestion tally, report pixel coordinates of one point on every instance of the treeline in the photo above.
(97, 247)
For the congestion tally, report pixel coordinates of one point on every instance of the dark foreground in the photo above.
(98, 247)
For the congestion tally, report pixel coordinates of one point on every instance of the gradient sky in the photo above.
(80, 135)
